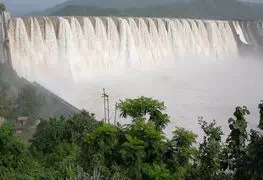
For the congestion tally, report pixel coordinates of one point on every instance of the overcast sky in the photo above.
(25, 6)
(32, 2)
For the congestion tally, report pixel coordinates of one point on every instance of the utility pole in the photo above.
(106, 106)
(115, 114)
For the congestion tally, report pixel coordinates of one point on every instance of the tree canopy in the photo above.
(80, 147)
(2, 7)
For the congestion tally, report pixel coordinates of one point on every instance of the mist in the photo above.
(197, 72)
(190, 88)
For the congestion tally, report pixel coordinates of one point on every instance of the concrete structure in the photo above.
(4, 42)
(2, 120)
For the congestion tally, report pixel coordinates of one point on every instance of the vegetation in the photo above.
(79, 147)
(2, 7)
(212, 9)
(27, 102)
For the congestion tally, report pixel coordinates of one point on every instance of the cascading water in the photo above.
(108, 43)
(240, 33)
(21, 50)
(113, 42)
(75, 57)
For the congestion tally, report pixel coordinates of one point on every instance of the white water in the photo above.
(191, 65)
(136, 43)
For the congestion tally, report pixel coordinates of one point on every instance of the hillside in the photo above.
(26, 103)
(116, 4)
(223, 9)
(108, 4)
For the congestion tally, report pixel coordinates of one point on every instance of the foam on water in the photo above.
(192, 65)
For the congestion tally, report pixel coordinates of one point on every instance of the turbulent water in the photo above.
(91, 45)
(192, 65)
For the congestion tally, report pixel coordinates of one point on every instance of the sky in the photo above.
(18, 7)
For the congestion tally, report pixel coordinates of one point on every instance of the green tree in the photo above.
(49, 133)
(2, 7)
(131, 151)
(260, 106)
(16, 161)
(5, 106)
(207, 165)
(63, 161)
(28, 102)
(156, 172)
(254, 159)
(235, 150)
(134, 149)
(99, 149)
(253, 162)
(153, 142)
(79, 125)
(57, 144)
(141, 107)
(184, 152)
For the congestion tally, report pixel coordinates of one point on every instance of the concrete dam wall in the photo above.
(194, 66)
(80, 46)
(4, 41)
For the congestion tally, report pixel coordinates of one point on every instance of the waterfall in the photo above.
(102, 44)
(129, 52)
(155, 40)
(50, 43)
(113, 42)
(80, 47)
(240, 33)
(66, 47)
(164, 41)
(204, 36)
(21, 50)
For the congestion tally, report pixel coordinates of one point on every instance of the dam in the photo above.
(87, 44)
(190, 64)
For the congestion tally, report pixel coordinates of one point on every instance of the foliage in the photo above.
(20, 98)
(15, 159)
(79, 147)
(207, 165)
(78, 125)
(5, 106)
(49, 133)
(253, 161)
(139, 150)
(63, 161)
(2, 7)
(260, 106)
(181, 152)
(204, 9)
(142, 107)
(28, 101)
(236, 142)
(5, 103)
(55, 130)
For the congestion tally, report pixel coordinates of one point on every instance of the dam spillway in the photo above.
(75, 57)
(83, 45)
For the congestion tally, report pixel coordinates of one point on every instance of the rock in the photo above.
(20, 122)
(38, 122)
(2, 120)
